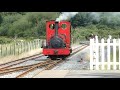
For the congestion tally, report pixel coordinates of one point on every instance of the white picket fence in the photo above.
(104, 54)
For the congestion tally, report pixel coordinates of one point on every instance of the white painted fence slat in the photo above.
(114, 54)
(97, 53)
(119, 53)
(102, 52)
(108, 53)
(103, 56)
(91, 54)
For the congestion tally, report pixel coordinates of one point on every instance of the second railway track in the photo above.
(46, 65)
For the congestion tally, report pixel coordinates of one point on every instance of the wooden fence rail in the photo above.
(19, 47)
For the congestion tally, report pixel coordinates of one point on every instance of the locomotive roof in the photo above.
(58, 21)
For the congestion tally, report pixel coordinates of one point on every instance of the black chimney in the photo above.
(56, 28)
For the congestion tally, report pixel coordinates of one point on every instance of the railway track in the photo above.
(46, 65)
(19, 61)
(51, 65)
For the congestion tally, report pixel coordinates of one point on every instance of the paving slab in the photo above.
(52, 74)
(93, 74)
(78, 74)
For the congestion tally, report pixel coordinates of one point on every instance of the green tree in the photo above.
(1, 19)
(81, 19)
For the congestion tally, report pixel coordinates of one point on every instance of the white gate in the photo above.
(104, 54)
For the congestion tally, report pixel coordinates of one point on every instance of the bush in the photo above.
(4, 40)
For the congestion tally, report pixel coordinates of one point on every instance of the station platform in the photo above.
(78, 74)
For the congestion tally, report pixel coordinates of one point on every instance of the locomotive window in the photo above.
(51, 26)
(64, 26)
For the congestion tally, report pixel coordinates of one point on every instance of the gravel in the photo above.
(14, 74)
(33, 73)
(71, 64)
(79, 61)
(11, 75)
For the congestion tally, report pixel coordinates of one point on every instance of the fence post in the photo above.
(10, 50)
(38, 43)
(1, 50)
(30, 45)
(102, 52)
(108, 53)
(14, 49)
(6, 51)
(91, 53)
(114, 53)
(18, 45)
(21, 47)
(35, 43)
(24, 47)
(97, 53)
(119, 52)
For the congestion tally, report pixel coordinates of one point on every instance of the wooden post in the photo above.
(38, 43)
(24, 46)
(6, 50)
(30, 46)
(119, 53)
(18, 48)
(1, 49)
(108, 54)
(102, 52)
(27, 46)
(91, 53)
(14, 48)
(21, 47)
(114, 53)
(97, 53)
(10, 49)
(33, 45)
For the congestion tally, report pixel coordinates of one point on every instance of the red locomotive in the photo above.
(58, 39)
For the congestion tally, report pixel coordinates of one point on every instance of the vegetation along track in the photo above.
(47, 64)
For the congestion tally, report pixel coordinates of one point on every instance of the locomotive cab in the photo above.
(58, 39)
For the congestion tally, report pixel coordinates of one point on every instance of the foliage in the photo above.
(32, 24)
(24, 24)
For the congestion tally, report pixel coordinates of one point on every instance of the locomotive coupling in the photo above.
(55, 52)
